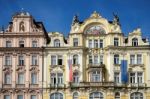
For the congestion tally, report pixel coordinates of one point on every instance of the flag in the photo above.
(124, 73)
(70, 70)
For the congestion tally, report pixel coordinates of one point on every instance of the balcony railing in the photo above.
(20, 85)
(53, 86)
(93, 65)
(92, 84)
(137, 85)
(6, 85)
(53, 66)
(34, 85)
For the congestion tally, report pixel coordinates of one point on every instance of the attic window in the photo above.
(21, 27)
(134, 42)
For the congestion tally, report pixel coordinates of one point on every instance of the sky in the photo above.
(57, 14)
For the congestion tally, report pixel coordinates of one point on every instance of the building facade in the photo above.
(21, 58)
(95, 61)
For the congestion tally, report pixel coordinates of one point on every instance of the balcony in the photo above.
(57, 86)
(137, 85)
(34, 85)
(91, 84)
(54, 66)
(134, 65)
(20, 85)
(96, 66)
(6, 85)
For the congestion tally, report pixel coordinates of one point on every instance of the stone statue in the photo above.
(116, 19)
(75, 20)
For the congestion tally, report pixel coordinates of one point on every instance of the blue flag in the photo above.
(124, 73)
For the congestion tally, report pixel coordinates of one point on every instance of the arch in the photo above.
(134, 42)
(56, 95)
(136, 95)
(75, 95)
(96, 95)
(56, 43)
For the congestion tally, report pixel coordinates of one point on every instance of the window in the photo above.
(101, 59)
(116, 59)
(90, 59)
(116, 42)
(75, 42)
(117, 95)
(101, 43)
(6, 96)
(139, 59)
(76, 77)
(136, 95)
(132, 59)
(75, 59)
(8, 60)
(136, 77)
(95, 59)
(56, 95)
(117, 77)
(95, 76)
(21, 43)
(34, 60)
(134, 42)
(20, 78)
(33, 97)
(8, 43)
(59, 60)
(20, 97)
(7, 78)
(95, 43)
(34, 43)
(21, 60)
(53, 60)
(56, 78)
(90, 43)
(57, 43)
(96, 95)
(33, 78)
(75, 95)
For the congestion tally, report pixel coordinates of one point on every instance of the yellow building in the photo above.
(105, 63)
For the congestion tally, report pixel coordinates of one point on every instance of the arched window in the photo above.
(56, 95)
(75, 59)
(21, 27)
(136, 95)
(117, 95)
(75, 95)
(96, 95)
(76, 77)
(56, 43)
(134, 42)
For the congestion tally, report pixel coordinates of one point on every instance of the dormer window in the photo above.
(75, 42)
(134, 42)
(8, 43)
(21, 43)
(57, 43)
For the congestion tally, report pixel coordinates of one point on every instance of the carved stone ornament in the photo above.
(95, 15)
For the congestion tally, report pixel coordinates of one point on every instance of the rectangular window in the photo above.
(60, 78)
(101, 43)
(95, 59)
(90, 43)
(116, 42)
(117, 77)
(34, 60)
(116, 59)
(132, 59)
(132, 78)
(53, 78)
(95, 43)
(53, 60)
(33, 78)
(20, 97)
(20, 78)
(90, 59)
(6, 96)
(21, 43)
(60, 60)
(75, 42)
(33, 97)
(95, 76)
(139, 59)
(8, 43)
(21, 60)
(139, 77)
(56, 78)
(34, 43)
(101, 59)
(8, 61)
(7, 78)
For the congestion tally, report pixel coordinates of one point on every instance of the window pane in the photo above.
(53, 60)
(6, 96)
(20, 78)
(20, 97)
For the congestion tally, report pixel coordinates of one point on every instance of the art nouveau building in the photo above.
(105, 63)
(21, 58)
